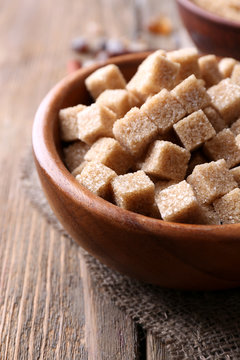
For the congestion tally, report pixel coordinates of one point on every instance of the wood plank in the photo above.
(109, 333)
(155, 349)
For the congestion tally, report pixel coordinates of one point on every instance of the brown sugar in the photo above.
(94, 122)
(209, 70)
(211, 181)
(192, 94)
(225, 97)
(164, 110)
(178, 203)
(73, 155)
(194, 130)
(215, 119)
(68, 122)
(166, 161)
(154, 74)
(107, 77)
(135, 131)
(134, 191)
(235, 76)
(197, 158)
(235, 128)
(228, 207)
(188, 60)
(109, 152)
(236, 174)
(226, 66)
(223, 146)
(97, 177)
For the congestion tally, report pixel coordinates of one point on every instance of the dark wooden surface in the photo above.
(48, 307)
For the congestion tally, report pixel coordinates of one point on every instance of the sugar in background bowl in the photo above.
(192, 257)
(210, 33)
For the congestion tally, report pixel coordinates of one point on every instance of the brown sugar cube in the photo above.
(120, 101)
(178, 203)
(197, 158)
(194, 130)
(237, 139)
(226, 66)
(209, 70)
(225, 97)
(135, 131)
(236, 74)
(235, 128)
(107, 77)
(68, 122)
(228, 207)
(236, 174)
(155, 73)
(163, 184)
(211, 181)
(73, 154)
(109, 152)
(97, 177)
(215, 119)
(94, 122)
(166, 160)
(134, 192)
(210, 215)
(188, 60)
(79, 169)
(164, 110)
(191, 94)
(223, 146)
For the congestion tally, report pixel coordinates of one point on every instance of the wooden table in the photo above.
(48, 307)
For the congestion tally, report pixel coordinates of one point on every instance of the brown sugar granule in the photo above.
(194, 130)
(68, 122)
(135, 131)
(226, 66)
(73, 155)
(164, 110)
(97, 177)
(134, 191)
(166, 160)
(209, 70)
(228, 207)
(225, 97)
(215, 119)
(235, 128)
(211, 181)
(109, 152)
(188, 60)
(155, 73)
(107, 77)
(192, 94)
(178, 203)
(223, 146)
(94, 122)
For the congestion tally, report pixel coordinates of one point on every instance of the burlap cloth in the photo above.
(193, 325)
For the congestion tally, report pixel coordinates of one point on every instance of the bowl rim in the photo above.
(192, 7)
(48, 158)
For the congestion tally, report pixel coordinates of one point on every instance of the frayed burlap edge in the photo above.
(193, 325)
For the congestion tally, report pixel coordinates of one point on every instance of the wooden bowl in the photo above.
(210, 33)
(168, 254)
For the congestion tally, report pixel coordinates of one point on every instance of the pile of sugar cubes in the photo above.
(167, 143)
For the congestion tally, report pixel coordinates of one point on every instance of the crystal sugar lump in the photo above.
(107, 77)
(215, 119)
(209, 70)
(68, 122)
(211, 181)
(134, 192)
(94, 122)
(166, 160)
(188, 60)
(109, 152)
(155, 73)
(228, 207)
(194, 130)
(192, 94)
(135, 131)
(226, 66)
(97, 177)
(223, 146)
(235, 76)
(164, 110)
(73, 155)
(225, 97)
